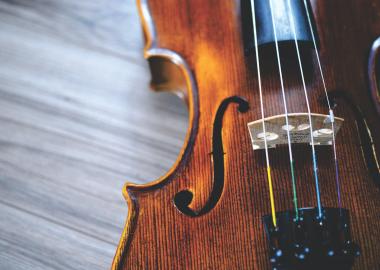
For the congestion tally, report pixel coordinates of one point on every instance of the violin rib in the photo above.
(213, 208)
(190, 93)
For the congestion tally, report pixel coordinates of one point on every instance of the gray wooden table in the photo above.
(76, 122)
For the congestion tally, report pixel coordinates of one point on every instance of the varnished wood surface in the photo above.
(231, 235)
(76, 121)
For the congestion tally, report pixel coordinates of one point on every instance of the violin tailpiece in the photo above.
(310, 242)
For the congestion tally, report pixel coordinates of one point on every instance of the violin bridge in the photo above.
(299, 129)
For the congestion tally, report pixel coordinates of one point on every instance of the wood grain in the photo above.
(77, 120)
(232, 236)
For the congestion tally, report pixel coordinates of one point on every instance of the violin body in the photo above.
(207, 211)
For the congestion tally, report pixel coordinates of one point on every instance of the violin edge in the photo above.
(152, 50)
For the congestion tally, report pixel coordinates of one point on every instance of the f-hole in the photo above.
(374, 73)
(183, 198)
(366, 142)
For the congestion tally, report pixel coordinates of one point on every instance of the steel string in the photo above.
(314, 156)
(291, 160)
(269, 176)
(331, 113)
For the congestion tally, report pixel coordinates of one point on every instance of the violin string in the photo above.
(269, 177)
(314, 156)
(291, 160)
(331, 113)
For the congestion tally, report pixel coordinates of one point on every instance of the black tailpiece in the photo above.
(311, 242)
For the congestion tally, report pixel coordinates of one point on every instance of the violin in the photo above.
(280, 166)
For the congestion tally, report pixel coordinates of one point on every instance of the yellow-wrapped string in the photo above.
(271, 196)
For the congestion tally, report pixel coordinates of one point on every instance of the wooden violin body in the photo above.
(207, 211)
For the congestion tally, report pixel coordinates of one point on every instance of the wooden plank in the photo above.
(77, 120)
(26, 239)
